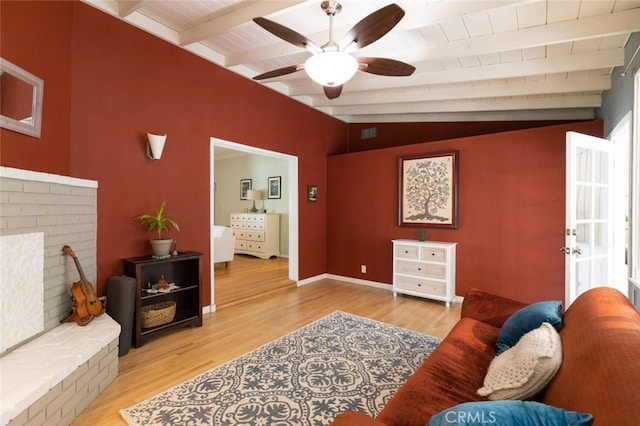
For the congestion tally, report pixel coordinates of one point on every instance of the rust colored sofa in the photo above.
(600, 371)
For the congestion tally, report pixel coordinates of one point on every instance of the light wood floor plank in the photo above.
(176, 356)
(248, 277)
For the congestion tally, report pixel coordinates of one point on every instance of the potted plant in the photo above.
(162, 221)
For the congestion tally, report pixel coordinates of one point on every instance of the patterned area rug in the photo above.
(338, 363)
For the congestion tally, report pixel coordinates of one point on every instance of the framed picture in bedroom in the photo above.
(274, 184)
(245, 186)
(428, 190)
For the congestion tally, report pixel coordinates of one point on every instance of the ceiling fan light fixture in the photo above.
(331, 68)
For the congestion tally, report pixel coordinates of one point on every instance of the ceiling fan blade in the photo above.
(280, 71)
(332, 92)
(287, 34)
(384, 66)
(373, 27)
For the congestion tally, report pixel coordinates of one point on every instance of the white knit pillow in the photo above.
(526, 368)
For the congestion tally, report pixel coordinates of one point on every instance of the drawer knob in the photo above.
(406, 251)
(419, 269)
(419, 285)
(433, 254)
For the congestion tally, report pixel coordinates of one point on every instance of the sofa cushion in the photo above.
(525, 369)
(600, 371)
(527, 319)
(521, 413)
(445, 379)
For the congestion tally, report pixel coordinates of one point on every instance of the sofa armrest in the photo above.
(355, 418)
(488, 308)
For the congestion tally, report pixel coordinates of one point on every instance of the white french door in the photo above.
(589, 233)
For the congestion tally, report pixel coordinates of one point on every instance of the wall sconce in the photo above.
(254, 195)
(155, 145)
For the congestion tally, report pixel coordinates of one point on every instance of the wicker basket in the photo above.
(158, 314)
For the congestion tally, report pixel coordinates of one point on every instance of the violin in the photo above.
(86, 305)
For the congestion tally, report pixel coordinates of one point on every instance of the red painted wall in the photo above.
(36, 37)
(511, 217)
(107, 83)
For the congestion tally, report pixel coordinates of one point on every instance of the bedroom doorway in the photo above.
(278, 268)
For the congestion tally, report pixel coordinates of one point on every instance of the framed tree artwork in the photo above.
(274, 183)
(428, 189)
(245, 186)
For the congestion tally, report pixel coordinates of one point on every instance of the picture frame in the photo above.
(245, 186)
(312, 193)
(428, 190)
(274, 184)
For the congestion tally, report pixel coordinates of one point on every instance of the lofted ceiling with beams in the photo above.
(474, 59)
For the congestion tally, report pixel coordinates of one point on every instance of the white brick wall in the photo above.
(69, 398)
(65, 210)
(60, 373)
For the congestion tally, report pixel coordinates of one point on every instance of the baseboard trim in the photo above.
(311, 280)
(351, 280)
(358, 281)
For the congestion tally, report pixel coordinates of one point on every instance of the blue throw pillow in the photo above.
(526, 319)
(498, 413)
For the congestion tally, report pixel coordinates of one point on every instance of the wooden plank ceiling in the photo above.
(474, 59)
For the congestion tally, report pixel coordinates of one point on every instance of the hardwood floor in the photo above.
(248, 277)
(176, 356)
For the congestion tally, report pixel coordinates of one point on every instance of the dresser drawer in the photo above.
(254, 235)
(248, 234)
(256, 246)
(434, 270)
(247, 217)
(255, 225)
(420, 285)
(407, 251)
(433, 254)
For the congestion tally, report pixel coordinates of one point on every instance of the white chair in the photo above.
(223, 244)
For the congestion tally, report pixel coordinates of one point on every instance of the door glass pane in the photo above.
(583, 238)
(600, 203)
(583, 277)
(584, 165)
(600, 239)
(601, 169)
(583, 203)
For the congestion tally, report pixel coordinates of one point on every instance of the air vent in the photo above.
(369, 133)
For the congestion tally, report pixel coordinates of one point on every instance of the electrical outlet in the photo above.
(363, 269)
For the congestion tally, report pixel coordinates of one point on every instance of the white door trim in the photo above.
(293, 202)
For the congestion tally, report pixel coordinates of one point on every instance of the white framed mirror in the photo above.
(20, 99)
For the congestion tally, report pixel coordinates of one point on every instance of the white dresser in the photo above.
(425, 269)
(257, 234)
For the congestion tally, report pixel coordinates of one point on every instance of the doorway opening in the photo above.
(621, 136)
(289, 187)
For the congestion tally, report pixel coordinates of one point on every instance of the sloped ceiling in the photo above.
(474, 59)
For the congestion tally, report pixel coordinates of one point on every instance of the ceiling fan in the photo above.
(331, 64)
